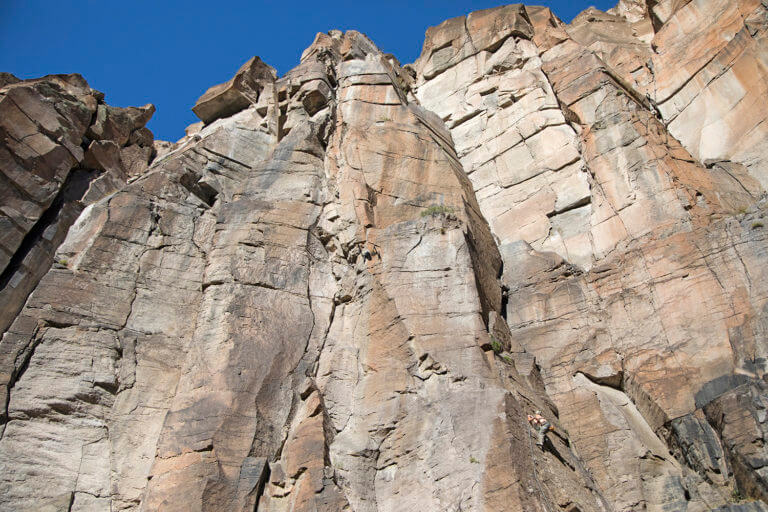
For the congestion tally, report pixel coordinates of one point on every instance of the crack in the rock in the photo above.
(225, 157)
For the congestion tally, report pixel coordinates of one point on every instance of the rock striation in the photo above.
(346, 287)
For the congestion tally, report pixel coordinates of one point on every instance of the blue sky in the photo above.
(169, 53)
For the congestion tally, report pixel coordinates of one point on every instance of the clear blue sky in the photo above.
(169, 53)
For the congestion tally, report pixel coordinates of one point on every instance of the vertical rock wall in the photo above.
(347, 286)
(632, 256)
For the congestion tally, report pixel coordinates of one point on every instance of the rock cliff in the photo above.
(346, 287)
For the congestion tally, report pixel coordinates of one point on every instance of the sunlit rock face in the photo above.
(633, 251)
(346, 287)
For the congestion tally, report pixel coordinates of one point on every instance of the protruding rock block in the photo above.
(231, 97)
(117, 124)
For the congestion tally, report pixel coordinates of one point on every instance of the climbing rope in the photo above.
(533, 460)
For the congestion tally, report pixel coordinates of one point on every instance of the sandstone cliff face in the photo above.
(346, 287)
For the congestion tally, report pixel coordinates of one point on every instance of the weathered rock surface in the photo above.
(634, 268)
(61, 148)
(347, 286)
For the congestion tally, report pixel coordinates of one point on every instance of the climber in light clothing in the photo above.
(541, 425)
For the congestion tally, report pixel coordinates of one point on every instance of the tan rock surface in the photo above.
(231, 97)
(347, 287)
(627, 200)
(334, 298)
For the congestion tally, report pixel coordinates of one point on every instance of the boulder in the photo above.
(239, 92)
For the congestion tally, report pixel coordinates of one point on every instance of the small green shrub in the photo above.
(436, 209)
(496, 345)
(507, 359)
(473, 460)
(756, 225)
(737, 497)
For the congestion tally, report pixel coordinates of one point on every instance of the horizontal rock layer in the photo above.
(347, 287)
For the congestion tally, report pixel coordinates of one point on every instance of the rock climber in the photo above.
(541, 425)
(368, 253)
(653, 106)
